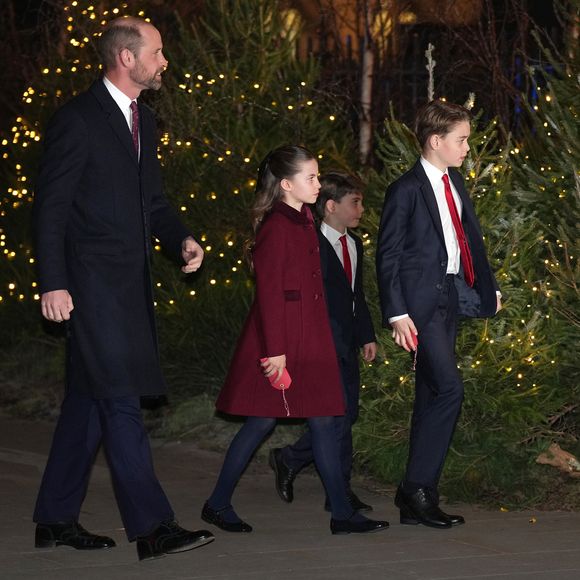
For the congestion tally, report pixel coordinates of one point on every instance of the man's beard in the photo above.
(140, 76)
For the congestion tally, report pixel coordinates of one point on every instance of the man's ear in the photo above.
(127, 58)
(330, 206)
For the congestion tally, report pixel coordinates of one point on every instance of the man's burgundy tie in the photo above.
(346, 260)
(135, 125)
(466, 260)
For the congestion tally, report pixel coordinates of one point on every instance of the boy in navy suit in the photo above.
(431, 269)
(340, 205)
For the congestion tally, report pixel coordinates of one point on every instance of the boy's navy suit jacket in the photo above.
(412, 258)
(351, 327)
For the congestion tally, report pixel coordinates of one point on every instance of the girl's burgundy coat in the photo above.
(288, 316)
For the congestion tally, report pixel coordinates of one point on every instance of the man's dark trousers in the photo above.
(117, 423)
(438, 394)
(299, 454)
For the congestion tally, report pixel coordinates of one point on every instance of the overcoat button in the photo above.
(438, 286)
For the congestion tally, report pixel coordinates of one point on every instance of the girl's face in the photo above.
(302, 187)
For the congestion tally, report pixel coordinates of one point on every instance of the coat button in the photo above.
(316, 296)
(314, 274)
(444, 262)
(438, 286)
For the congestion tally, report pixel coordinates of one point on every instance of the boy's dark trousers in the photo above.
(438, 394)
(299, 454)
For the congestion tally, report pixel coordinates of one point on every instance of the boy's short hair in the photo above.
(335, 185)
(438, 118)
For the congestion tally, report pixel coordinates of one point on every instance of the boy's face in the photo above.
(347, 211)
(451, 149)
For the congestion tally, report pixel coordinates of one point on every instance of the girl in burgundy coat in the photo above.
(287, 327)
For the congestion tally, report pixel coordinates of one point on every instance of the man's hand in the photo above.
(403, 332)
(56, 305)
(274, 365)
(499, 306)
(369, 351)
(192, 254)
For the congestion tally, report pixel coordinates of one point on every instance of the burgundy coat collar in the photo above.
(304, 216)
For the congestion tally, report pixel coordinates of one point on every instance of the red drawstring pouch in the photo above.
(281, 384)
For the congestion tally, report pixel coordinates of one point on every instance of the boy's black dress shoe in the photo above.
(170, 538)
(350, 527)
(419, 508)
(284, 475)
(357, 504)
(216, 518)
(69, 534)
(456, 520)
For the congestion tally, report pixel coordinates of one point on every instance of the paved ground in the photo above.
(289, 541)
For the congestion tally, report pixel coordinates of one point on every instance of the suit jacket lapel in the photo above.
(330, 260)
(465, 199)
(115, 117)
(429, 197)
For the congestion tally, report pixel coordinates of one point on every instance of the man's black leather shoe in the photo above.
(284, 476)
(357, 504)
(350, 527)
(216, 518)
(419, 508)
(69, 534)
(170, 538)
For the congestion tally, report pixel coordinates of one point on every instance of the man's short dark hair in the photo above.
(114, 39)
(335, 185)
(438, 118)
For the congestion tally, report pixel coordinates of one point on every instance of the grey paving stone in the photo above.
(290, 542)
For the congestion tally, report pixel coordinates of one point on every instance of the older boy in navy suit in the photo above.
(431, 269)
(340, 206)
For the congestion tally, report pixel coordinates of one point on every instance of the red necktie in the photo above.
(135, 125)
(466, 260)
(346, 260)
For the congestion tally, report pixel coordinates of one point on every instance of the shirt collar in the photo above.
(122, 100)
(332, 235)
(433, 173)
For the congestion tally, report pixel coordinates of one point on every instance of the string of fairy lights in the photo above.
(25, 134)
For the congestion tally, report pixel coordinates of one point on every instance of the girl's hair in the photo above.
(281, 163)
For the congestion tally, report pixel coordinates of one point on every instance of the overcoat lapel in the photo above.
(115, 117)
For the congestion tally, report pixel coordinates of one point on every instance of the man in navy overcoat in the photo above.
(98, 202)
